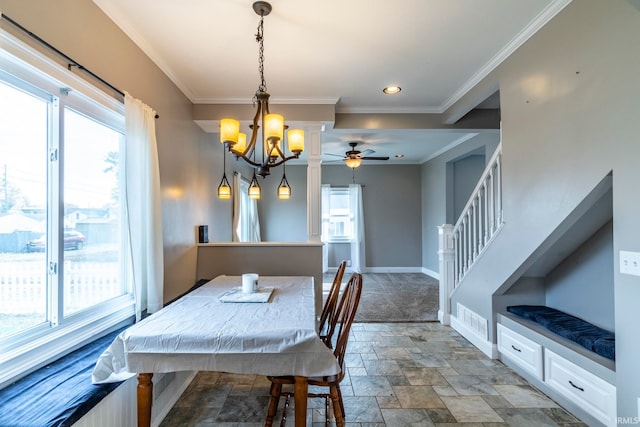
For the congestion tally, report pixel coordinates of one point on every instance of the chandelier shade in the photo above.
(224, 189)
(269, 145)
(254, 188)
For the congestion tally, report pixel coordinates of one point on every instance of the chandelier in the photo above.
(267, 146)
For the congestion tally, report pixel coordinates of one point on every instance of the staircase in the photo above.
(460, 245)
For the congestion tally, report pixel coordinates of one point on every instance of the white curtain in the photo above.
(143, 205)
(246, 224)
(326, 209)
(358, 243)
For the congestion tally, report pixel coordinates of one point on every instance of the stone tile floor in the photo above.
(398, 374)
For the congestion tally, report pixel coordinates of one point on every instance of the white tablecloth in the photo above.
(200, 333)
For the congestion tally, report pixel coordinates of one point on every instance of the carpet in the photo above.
(396, 297)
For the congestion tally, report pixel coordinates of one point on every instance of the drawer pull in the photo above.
(516, 348)
(575, 386)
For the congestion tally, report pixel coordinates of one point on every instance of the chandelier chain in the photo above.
(260, 40)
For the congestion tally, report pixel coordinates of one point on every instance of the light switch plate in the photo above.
(630, 263)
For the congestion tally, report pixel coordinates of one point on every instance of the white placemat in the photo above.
(236, 295)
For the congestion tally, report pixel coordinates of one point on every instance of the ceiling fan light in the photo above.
(353, 162)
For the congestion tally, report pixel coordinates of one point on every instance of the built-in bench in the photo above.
(589, 336)
(58, 394)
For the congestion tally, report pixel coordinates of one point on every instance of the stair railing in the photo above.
(460, 245)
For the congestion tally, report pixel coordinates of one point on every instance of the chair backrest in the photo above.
(329, 310)
(346, 314)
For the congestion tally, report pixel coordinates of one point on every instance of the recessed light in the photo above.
(399, 156)
(392, 90)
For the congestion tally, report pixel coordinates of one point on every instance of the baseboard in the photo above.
(431, 273)
(485, 346)
(393, 270)
(444, 318)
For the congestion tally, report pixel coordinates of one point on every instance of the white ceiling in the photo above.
(340, 52)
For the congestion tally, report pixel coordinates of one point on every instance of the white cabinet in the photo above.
(521, 350)
(592, 393)
(586, 386)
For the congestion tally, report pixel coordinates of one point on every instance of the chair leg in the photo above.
(340, 400)
(276, 390)
(338, 407)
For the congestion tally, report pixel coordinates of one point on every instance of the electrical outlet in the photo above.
(630, 263)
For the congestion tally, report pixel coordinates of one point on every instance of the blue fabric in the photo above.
(589, 336)
(58, 394)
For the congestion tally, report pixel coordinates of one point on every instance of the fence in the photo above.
(23, 285)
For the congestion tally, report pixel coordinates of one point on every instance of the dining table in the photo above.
(217, 327)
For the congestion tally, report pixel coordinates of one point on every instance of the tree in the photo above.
(10, 195)
(113, 166)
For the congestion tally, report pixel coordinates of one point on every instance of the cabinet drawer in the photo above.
(592, 393)
(526, 353)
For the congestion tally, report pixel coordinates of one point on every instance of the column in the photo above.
(446, 257)
(314, 182)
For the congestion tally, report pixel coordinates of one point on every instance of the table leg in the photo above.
(300, 392)
(145, 397)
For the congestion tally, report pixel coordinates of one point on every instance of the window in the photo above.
(337, 216)
(63, 255)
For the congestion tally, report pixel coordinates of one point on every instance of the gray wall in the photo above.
(438, 195)
(265, 259)
(284, 220)
(587, 273)
(466, 173)
(569, 108)
(392, 212)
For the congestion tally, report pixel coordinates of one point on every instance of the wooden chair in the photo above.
(346, 313)
(329, 309)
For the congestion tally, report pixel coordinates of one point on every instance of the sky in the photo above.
(24, 153)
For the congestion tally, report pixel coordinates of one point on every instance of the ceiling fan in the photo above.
(353, 158)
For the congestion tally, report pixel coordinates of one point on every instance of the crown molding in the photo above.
(272, 101)
(534, 26)
(123, 23)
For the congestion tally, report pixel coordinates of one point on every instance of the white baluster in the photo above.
(491, 203)
(486, 212)
(499, 190)
(474, 227)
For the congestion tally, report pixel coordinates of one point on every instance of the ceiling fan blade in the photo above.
(337, 155)
(374, 158)
(367, 152)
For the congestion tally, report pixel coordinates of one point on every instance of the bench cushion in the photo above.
(58, 394)
(589, 336)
